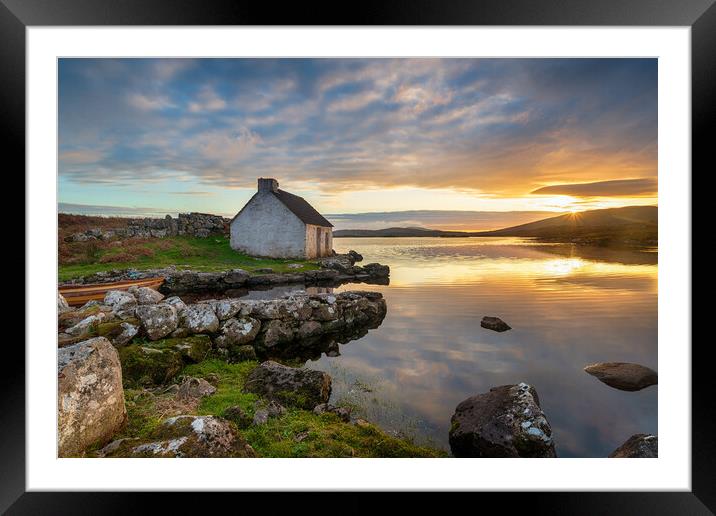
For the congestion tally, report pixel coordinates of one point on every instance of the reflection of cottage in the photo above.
(278, 224)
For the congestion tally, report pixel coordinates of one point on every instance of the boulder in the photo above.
(62, 304)
(505, 422)
(236, 277)
(90, 400)
(303, 388)
(276, 332)
(622, 375)
(194, 348)
(495, 324)
(355, 256)
(118, 332)
(157, 320)
(242, 353)
(120, 300)
(86, 326)
(192, 388)
(343, 413)
(144, 365)
(227, 308)
(146, 295)
(200, 318)
(185, 436)
(638, 446)
(177, 303)
(237, 332)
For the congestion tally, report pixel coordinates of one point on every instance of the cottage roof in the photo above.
(300, 207)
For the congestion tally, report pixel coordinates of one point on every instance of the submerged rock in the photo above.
(90, 399)
(638, 446)
(185, 436)
(495, 324)
(505, 422)
(303, 388)
(622, 375)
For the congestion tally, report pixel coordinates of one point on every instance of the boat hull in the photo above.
(79, 294)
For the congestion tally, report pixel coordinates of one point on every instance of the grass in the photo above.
(297, 433)
(203, 254)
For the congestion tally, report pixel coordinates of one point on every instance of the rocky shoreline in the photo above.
(334, 270)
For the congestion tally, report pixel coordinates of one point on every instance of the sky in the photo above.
(449, 143)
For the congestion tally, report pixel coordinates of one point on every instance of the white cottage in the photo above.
(278, 224)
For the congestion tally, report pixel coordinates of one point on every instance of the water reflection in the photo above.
(568, 307)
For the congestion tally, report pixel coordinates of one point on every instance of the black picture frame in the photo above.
(17, 15)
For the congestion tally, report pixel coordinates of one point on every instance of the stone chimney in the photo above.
(268, 184)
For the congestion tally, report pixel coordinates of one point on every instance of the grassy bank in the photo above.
(297, 433)
(203, 254)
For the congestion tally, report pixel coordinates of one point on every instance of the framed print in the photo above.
(399, 252)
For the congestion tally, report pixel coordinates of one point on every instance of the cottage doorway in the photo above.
(318, 242)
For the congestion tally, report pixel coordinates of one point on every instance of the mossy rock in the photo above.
(145, 365)
(193, 349)
(185, 436)
(112, 329)
(242, 353)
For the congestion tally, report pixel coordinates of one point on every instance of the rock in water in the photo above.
(638, 446)
(304, 388)
(90, 399)
(622, 375)
(494, 323)
(505, 422)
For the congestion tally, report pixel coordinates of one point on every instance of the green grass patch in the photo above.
(328, 436)
(210, 254)
(142, 416)
(229, 389)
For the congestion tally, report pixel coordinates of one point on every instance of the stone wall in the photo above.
(172, 333)
(193, 224)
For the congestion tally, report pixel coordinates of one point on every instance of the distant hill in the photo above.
(398, 232)
(631, 225)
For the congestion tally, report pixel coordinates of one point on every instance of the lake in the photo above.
(568, 307)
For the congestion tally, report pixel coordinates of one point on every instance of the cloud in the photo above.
(149, 103)
(614, 188)
(207, 100)
(489, 126)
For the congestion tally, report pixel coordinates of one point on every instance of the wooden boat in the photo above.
(79, 294)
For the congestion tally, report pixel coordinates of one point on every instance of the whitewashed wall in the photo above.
(267, 228)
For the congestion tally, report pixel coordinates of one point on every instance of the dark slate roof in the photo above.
(300, 207)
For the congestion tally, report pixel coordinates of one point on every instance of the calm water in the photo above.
(568, 307)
